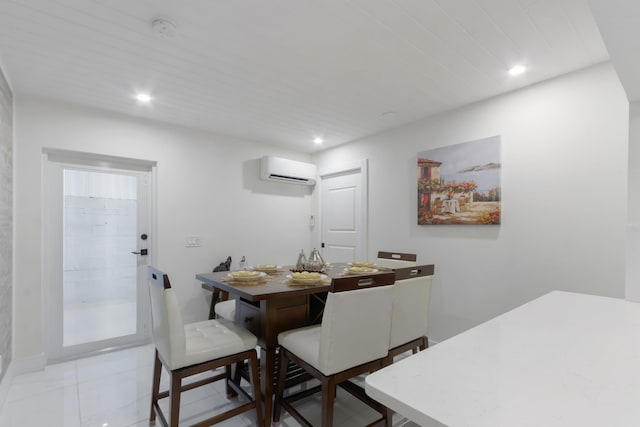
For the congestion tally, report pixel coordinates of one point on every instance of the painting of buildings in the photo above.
(461, 183)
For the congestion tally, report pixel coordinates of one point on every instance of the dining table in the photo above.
(561, 360)
(272, 306)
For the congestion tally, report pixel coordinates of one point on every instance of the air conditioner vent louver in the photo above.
(288, 178)
(285, 170)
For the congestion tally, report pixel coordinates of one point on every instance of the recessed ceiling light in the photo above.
(517, 69)
(145, 98)
(318, 140)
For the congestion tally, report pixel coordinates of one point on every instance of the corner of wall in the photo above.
(6, 223)
(4, 386)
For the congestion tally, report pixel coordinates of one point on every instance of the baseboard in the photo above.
(4, 384)
(23, 365)
(19, 366)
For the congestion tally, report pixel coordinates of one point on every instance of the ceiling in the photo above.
(285, 71)
(619, 23)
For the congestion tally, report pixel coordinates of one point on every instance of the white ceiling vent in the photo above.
(285, 170)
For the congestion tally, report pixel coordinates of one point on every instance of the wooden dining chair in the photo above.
(221, 305)
(410, 314)
(352, 339)
(194, 348)
(396, 259)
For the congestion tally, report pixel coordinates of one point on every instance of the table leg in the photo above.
(214, 299)
(267, 370)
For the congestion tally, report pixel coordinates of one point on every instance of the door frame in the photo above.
(51, 233)
(326, 171)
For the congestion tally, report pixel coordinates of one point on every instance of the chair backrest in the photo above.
(396, 259)
(356, 322)
(411, 297)
(166, 320)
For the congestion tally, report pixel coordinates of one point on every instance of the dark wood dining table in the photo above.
(269, 308)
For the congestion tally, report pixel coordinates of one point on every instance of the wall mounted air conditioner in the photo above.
(285, 170)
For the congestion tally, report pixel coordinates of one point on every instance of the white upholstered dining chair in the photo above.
(410, 315)
(352, 339)
(186, 350)
(226, 309)
(396, 259)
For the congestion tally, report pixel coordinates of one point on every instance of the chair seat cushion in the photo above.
(212, 339)
(304, 343)
(226, 309)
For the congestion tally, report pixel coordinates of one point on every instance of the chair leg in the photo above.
(425, 343)
(230, 391)
(155, 388)
(328, 398)
(255, 382)
(388, 417)
(237, 374)
(214, 300)
(282, 374)
(174, 398)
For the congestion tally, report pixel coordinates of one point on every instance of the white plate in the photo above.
(266, 269)
(363, 264)
(307, 281)
(349, 271)
(253, 278)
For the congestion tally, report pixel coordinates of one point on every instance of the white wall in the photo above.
(208, 186)
(632, 290)
(564, 155)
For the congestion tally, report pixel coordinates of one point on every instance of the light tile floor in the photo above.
(113, 390)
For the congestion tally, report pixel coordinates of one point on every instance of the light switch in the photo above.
(192, 241)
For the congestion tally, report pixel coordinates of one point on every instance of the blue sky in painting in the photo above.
(458, 157)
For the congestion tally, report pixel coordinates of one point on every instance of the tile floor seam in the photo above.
(37, 392)
(78, 393)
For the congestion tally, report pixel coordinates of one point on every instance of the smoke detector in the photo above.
(164, 28)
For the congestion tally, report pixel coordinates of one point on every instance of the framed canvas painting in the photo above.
(460, 184)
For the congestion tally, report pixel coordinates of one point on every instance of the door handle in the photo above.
(142, 252)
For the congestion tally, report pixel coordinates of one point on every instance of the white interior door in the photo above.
(343, 214)
(96, 291)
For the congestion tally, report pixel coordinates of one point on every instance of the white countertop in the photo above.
(564, 359)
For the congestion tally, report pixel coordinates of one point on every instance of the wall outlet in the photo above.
(192, 241)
